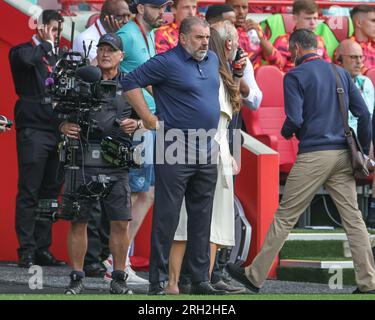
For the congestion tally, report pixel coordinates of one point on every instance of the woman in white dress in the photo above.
(222, 225)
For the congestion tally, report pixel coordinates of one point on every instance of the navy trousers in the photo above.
(195, 182)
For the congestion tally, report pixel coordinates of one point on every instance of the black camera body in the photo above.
(76, 86)
(68, 208)
(76, 90)
(119, 155)
(8, 123)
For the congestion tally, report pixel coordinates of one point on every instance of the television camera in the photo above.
(77, 91)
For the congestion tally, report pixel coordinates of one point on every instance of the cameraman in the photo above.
(37, 139)
(112, 120)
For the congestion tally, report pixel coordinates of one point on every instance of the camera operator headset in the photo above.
(112, 120)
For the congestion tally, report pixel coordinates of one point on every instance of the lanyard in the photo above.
(44, 59)
(311, 58)
(144, 35)
(97, 28)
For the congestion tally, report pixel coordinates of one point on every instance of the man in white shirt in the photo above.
(114, 14)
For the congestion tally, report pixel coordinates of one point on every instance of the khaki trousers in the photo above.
(312, 170)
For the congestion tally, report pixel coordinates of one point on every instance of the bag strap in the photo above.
(340, 94)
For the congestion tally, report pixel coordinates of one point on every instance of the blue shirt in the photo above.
(366, 88)
(137, 51)
(312, 107)
(186, 91)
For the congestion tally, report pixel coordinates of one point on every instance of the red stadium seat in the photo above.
(265, 124)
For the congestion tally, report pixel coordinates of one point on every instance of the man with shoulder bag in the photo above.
(313, 115)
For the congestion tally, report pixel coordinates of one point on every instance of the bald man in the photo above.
(114, 14)
(350, 56)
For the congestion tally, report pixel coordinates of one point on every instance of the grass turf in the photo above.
(337, 230)
(23, 297)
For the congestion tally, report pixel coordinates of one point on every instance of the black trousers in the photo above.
(39, 177)
(173, 182)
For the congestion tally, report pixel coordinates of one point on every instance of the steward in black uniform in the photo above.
(37, 140)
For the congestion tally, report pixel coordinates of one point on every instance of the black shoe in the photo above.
(75, 285)
(94, 270)
(221, 285)
(205, 288)
(156, 289)
(118, 286)
(45, 258)
(26, 260)
(357, 291)
(184, 288)
(238, 274)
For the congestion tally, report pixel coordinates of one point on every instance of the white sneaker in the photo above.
(133, 278)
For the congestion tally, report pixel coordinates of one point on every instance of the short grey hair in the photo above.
(189, 22)
(305, 38)
(226, 30)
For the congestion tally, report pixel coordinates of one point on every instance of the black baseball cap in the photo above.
(111, 39)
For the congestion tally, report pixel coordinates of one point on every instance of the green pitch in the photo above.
(190, 297)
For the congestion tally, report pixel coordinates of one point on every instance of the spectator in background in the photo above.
(250, 92)
(251, 36)
(350, 56)
(114, 14)
(220, 12)
(363, 17)
(305, 14)
(268, 9)
(166, 37)
(313, 116)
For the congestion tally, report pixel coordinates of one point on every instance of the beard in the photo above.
(199, 54)
(151, 21)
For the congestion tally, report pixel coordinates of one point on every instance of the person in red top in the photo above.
(363, 17)
(257, 46)
(305, 14)
(166, 37)
(268, 9)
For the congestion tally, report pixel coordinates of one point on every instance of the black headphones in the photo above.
(339, 59)
(133, 6)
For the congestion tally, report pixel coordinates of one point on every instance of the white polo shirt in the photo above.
(93, 33)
